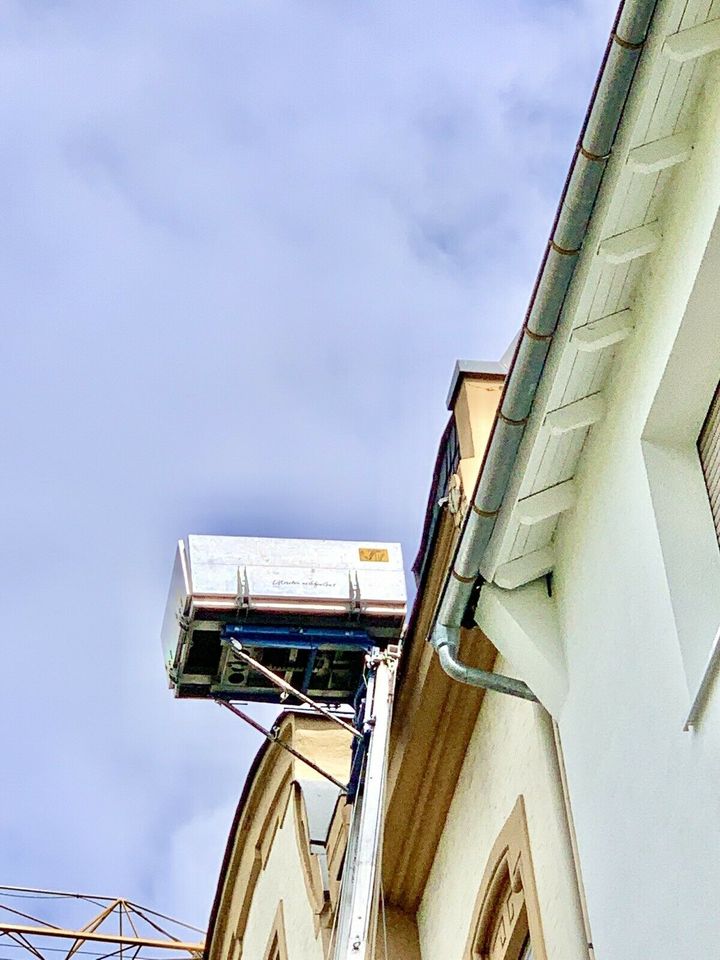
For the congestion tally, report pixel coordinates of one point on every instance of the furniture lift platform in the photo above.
(307, 610)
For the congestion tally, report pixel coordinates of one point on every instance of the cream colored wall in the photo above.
(262, 843)
(509, 754)
(282, 879)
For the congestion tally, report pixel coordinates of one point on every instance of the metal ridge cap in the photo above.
(525, 377)
(479, 369)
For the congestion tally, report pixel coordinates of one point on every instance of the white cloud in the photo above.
(196, 851)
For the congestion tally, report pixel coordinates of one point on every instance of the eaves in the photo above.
(639, 127)
(626, 228)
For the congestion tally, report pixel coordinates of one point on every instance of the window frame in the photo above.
(507, 903)
(685, 527)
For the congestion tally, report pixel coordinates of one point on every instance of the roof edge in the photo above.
(557, 269)
(282, 722)
(473, 370)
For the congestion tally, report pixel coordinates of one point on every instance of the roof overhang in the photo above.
(640, 130)
(624, 238)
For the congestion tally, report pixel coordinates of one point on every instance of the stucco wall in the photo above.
(639, 611)
(282, 879)
(508, 756)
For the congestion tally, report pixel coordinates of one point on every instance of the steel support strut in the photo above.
(288, 688)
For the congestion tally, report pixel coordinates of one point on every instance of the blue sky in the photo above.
(243, 244)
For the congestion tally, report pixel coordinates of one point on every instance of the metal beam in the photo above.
(288, 688)
(62, 933)
(273, 738)
(56, 893)
(92, 926)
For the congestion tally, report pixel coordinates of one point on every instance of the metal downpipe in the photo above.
(446, 639)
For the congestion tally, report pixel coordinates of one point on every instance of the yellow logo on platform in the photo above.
(374, 554)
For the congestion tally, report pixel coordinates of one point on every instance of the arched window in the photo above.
(506, 920)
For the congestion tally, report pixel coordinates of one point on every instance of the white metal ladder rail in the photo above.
(360, 881)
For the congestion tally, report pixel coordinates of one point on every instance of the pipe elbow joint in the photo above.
(451, 665)
(445, 639)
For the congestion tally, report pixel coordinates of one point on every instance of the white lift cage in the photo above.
(308, 610)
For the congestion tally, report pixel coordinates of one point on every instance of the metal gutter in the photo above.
(556, 272)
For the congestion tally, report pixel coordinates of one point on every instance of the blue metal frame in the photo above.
(314, 639)
(306, 638)
(311, 639)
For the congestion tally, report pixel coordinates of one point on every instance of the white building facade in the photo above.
(601, 578)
